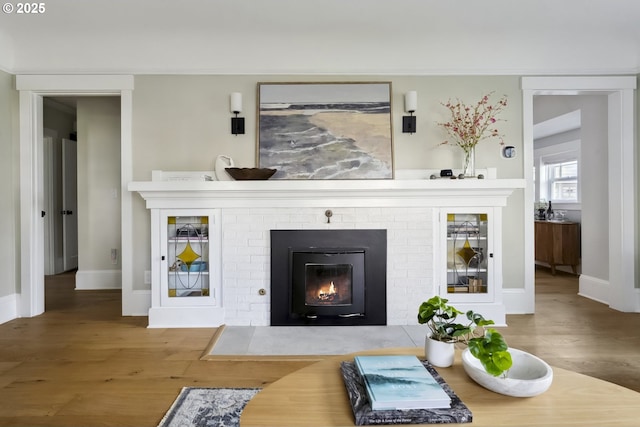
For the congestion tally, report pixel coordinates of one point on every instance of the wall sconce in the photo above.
(237, 123)
(410, 106)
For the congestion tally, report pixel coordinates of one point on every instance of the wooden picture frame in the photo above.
(325, 130)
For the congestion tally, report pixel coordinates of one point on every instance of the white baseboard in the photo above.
(98, 279)
(9, 307)
(594, 288)
(137, 303)
(186, 317)
(516, 301)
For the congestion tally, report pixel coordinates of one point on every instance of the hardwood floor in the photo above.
(82, 364)
(577, 333)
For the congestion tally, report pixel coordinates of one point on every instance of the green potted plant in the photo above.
(486, 344)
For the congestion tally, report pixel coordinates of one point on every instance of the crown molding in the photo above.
(6, 69)
(345, 72)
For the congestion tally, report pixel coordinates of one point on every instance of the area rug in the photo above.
(208, 407)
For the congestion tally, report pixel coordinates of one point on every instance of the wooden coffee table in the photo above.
(316, 396)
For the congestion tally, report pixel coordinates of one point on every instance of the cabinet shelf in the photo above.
(190, 240)
(462, 237)
(474, 270)
(464, 289)
(186, 273)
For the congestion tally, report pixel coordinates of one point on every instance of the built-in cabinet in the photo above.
(470, 262)
(186, 276)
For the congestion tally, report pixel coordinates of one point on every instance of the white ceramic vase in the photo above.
(438, 353)
(221, 163)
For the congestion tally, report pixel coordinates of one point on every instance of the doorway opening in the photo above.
(86, 187)
(619, 290)
(33, 89)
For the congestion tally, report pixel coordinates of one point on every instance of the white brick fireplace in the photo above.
(249, 210)
(246, 255)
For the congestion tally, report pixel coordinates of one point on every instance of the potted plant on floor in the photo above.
(488, 346)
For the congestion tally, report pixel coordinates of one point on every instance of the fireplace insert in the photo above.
(328, 277)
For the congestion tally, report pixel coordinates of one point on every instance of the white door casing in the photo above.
(620, 91)
(32, 89)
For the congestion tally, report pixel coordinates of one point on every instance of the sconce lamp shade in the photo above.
(236, 102)
(411, 101)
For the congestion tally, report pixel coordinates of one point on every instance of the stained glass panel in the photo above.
(188, 249)
(467, 270)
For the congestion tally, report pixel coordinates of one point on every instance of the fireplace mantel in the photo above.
(365, 193)
(246, 212)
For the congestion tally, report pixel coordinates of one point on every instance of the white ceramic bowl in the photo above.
(529, 375)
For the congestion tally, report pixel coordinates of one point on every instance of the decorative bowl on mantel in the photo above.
(528, 376)
(250, 174)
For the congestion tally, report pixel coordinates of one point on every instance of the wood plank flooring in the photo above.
(82, 364)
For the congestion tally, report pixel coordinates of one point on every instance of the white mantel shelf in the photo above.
(327, 193)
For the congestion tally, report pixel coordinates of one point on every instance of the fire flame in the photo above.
(332, 291)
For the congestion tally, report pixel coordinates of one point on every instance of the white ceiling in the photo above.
(326, 36)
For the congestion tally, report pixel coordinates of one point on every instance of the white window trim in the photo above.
(550, 181)
(542, 179)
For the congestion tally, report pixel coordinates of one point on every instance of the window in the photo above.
(557, 173)
(562, 179)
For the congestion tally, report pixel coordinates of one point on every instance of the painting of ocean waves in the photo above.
(326, 139)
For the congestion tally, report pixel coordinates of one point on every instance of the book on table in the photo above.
(400, 382)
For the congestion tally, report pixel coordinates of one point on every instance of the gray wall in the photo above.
(9, 182)
(99, 220)
(182, 122)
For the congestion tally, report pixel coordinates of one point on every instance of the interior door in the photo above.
(70, 203)
(49, 230)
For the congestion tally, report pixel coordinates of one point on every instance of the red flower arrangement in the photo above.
(471, 124)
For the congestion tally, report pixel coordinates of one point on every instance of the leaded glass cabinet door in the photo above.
(469, 256)
(188, 267)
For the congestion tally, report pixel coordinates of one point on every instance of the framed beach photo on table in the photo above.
(325, 130)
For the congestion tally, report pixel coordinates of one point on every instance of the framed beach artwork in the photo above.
(325, 130)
